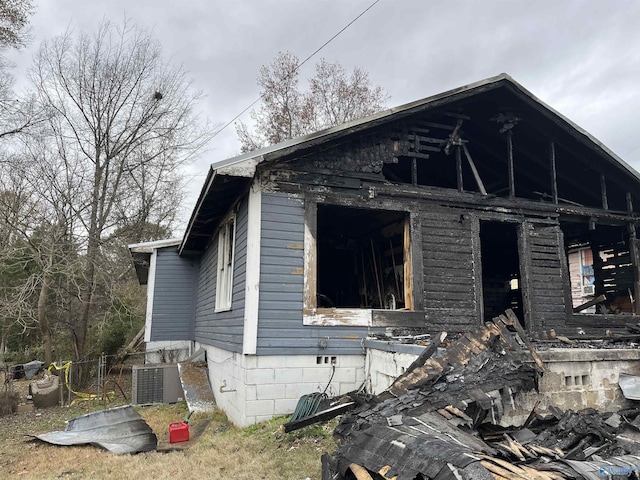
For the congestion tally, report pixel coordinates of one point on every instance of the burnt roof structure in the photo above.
(551, 160)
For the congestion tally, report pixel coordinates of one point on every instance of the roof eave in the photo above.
(149, 247)
(305, 141)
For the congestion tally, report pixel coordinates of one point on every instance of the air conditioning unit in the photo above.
(156, 384)
(588, 290)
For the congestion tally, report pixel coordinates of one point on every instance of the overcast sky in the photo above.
(582, 57)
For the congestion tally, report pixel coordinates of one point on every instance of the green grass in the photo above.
(261, 451)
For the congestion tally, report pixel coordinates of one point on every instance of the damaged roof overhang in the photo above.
(250, 160)
(222, 189)
(141, 255)
(228, 179)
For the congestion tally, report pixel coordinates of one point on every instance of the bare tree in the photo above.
(16, 286)
(17, 114)
(37, 254)
(285, 112)
(120, 117)
(14, 20)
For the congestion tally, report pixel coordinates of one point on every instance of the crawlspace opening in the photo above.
(600, 268)
(360, 258)
(500, 269)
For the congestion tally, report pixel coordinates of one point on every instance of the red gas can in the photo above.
(178, 432)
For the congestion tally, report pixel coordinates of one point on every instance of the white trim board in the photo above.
(252, 282)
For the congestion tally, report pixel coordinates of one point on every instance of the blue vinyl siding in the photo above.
(173, 296)
(280, 327)
(222, 329)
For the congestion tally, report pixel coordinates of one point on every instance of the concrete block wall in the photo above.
(166, 351)
(578, 378)
(385, 362)
(575, 378)
(251, 389)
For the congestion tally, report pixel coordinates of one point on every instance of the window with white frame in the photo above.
(226, 251)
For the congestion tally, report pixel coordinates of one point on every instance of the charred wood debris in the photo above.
(439, 420)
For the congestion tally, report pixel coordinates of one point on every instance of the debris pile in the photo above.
(439, 420)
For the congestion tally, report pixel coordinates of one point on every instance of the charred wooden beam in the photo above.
(476, 248)
(459, 169)
(471, 200)
(476, 175)
(396, 387)
(552, 168)
(512, 181)
(454, 138)
(603, 191)
(459, 116)
(590, 303)
(414, 171)
(419, 141)
(532, 160)
(634, 250)
(441, 126)
(515, 323)
(397, 318)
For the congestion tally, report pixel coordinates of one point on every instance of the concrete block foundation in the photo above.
(251, 389)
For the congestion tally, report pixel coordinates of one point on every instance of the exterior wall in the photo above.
(385, 362)
(542, 269)
(280, 320)
(252, 389)
(167, 351)
(173, 296)
(449, 243)
(222, 329)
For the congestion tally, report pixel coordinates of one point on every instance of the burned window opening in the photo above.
(361, 258)
(601, 268)
(501, 286)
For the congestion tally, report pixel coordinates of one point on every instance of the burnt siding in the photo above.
(280, 327)
(449, 270)
(546, 286)
(173, 296)
(222, 329)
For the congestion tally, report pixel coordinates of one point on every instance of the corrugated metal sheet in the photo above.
(119, 430)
